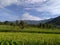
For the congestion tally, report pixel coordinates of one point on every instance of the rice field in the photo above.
(8, 28)
(9, 38)
(13, 35)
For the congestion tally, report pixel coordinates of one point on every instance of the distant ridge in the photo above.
(55, 21)
(37, 22)
(33, 21)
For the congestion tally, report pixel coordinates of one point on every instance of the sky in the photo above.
(11, 10)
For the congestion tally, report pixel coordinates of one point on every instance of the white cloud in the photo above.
(34, 1)
(7, 2)
(52, 6)
(19, 2)
(27, 16)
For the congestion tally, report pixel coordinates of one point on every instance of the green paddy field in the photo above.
(29, 36)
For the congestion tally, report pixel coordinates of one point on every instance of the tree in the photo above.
(11, 24)
(17, 22)
(22, 24)
(6, 22)
(1, 23)
(39, 25)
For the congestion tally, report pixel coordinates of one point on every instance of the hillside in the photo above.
(37, 22)
(55, 21)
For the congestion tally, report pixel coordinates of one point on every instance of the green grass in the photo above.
(29, 38)
(8, 28)
(40, 30)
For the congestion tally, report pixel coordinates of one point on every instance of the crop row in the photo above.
(6, 42)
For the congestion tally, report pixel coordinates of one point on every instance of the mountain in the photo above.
(55, 21)
(34, 21)
(37, 22)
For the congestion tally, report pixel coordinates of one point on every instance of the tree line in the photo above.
(23, 24)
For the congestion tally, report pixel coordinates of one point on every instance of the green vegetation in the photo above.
(22, 24)
(55, 21)
(9, 28)
(21, 33)
(9, 38)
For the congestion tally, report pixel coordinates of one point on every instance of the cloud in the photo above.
(7, 2)
(27, 16)
(4, 15)
(34, 1)
(19, 2)
(52, 6)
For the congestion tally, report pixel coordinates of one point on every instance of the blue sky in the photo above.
(29, 9)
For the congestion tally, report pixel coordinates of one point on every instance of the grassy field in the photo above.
(9, 38)
(7, 28)
(13, 35)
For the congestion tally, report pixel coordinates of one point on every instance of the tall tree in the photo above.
(22, 24)
(17, 22)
